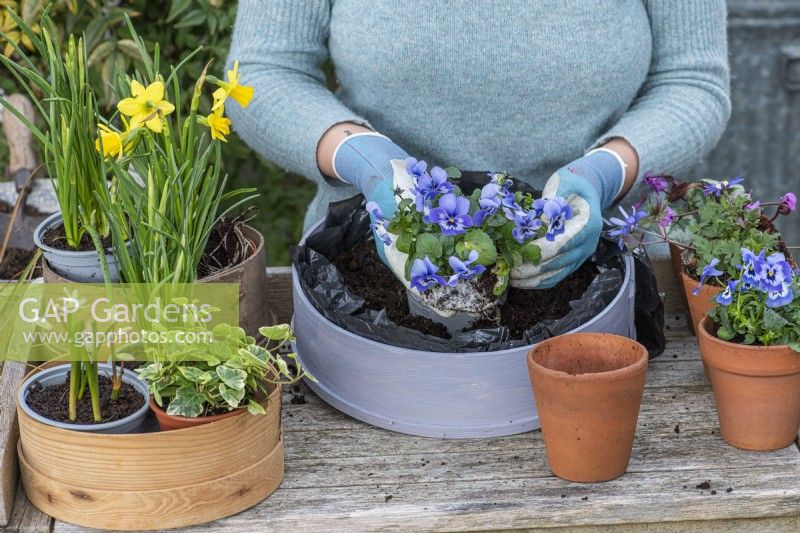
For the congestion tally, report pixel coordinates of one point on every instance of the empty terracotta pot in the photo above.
(757, 390)
(702, 303)
(588, 388)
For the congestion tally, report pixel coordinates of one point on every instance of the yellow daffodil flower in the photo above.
(219, 125)
(241, 93)
(146, 106)
(112, 142)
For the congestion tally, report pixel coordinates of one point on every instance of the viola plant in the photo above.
(711, 220)
(759, 306)
(450, 237)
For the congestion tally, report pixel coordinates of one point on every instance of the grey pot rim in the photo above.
(52, 221)
(131, 376)
(622, 293)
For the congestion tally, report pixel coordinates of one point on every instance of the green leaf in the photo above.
(193, 18)
(231, 396)
(428, 245)
(453, 172)
(176, 8)
(531, 253)
(195, 374)
(477, 239)
(255, 408)
(773, 320)
(281, 332)
(795, 345)
(403, 242)
(232, 377)
(725, 334)
(187, 402)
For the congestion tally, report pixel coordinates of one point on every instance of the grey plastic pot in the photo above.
(82, 267)
(58, 374)
(431, 394)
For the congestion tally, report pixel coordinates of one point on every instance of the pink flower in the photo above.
(788, 203)
(753, 205)
(668, 218)
(656, 183)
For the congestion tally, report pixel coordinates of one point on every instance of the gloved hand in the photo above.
(589, 185)
(368, 161)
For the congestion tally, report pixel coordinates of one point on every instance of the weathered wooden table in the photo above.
(343, 475)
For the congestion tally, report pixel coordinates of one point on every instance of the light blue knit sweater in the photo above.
(522, 86)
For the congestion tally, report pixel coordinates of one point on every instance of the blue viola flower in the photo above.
(751, 268)
(416, 168)
(379, 224)
(452, 214)
(538, 207)
(429, 186)
(784, 295)
(557, 211)
(625, 225)
(709, 271)
(424, 275)
(726, 296)
(774, 273)
(718, 187)
(526, 226)
(489, 202)
(463, 269)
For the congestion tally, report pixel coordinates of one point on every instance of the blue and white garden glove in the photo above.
(589, 185)
(377, 167)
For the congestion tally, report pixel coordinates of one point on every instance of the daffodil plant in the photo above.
(168, 166)
(68, 109)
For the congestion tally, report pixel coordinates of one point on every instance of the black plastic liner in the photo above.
(347, 224)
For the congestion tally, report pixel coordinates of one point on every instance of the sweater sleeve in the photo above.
(683, 107)
(280, 46)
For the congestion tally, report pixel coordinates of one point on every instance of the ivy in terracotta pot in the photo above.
(751, 345)
(229, 376)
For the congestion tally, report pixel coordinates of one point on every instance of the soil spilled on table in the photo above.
(15, 261)
(57, 238)
(366, 276)
(52, 402)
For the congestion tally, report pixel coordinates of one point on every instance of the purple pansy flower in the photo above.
(463, 270)
(788, 203)
(526, 226)
(656, 183)
(719, 187)
(557, 211)
(429, 186)
(452, 214)
(774, 272)
(780, 297)
(424, 275)
(379, 224)
(625, 225)
(667, 218)
(416, 168)
(709, 271)
(509, 203)
(751, 268)
(726, 296)
(489, 202)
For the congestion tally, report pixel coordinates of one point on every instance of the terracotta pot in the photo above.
(757, 390)
(702, 303)
(588, 388)
(168, 422)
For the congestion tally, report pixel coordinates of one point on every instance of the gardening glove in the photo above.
(377, 167)
(589, 185)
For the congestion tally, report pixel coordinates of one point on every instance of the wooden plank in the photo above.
(12, 374)
(26, 518)
(279, 293)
